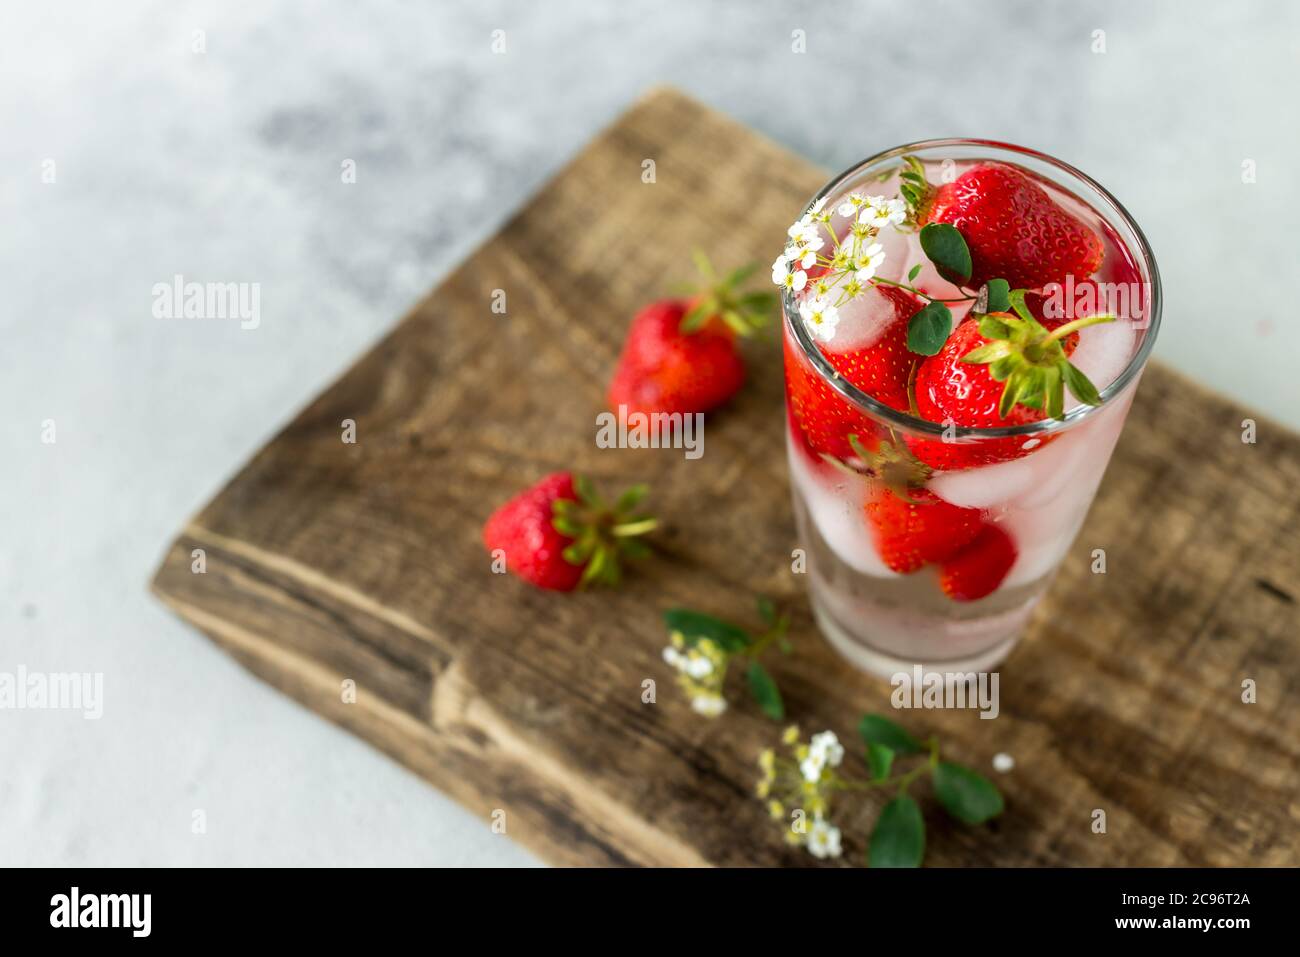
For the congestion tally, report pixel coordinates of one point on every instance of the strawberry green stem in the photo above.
(1060, 332)
(628, 529)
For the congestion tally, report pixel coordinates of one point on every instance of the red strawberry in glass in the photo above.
(1014, 228)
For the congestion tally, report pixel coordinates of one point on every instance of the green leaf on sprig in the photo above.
(914, 272)
(880, 758)
(874, 729)
(766, 610)
(899, 837)
(966, 795)
(928, 329)
(695, 626)
(946, 248)
(765, 691)
(996, 298)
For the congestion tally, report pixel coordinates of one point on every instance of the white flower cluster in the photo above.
(850, 265)
(804, 782)
(701, 670)
(823, 839)
(824, 750)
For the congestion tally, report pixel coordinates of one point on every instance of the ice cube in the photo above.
(987, 486)
(836, 503)
(862, 322)
(1102, 354)
(1042, 535)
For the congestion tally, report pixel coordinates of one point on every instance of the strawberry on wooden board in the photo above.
(663, 369)
(881, 370)
(681, 355)
(978, 569)
(1013, 227)
(559, 533)
(918, 529)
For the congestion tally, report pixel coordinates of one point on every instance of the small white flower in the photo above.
(804, 234)
(783, 275)
(804, 249)
(814, 212)
(811, 767)
(674, 657)
(709, 705)
(697, 666)
(806, 256)
(897, 210)
(852, 205)
(828, 746)
(824, 839)
(820, 318)
(881, 212)
(868, 260)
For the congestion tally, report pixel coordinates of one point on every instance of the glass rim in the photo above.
(914, 424)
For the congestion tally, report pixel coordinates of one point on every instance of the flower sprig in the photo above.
(702, 648)
(803, 787)
(846, 267)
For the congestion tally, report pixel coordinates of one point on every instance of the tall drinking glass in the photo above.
(929, 541)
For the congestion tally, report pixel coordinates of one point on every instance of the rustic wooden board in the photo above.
(328, 561)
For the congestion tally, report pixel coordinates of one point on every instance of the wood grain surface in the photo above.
(328, 561)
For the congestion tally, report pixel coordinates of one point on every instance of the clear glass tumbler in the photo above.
(1019, 493)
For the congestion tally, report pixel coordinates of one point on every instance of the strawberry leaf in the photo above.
(994, 328)
(946, 248)
(928, 329)
(1055, 393)
(1009, 393)
(740, 274)
(698, 314)
(988, 352)
(1079, 384)
(631, 498)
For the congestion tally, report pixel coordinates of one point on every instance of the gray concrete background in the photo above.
(225, 166)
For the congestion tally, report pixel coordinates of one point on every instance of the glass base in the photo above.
(886, 665)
